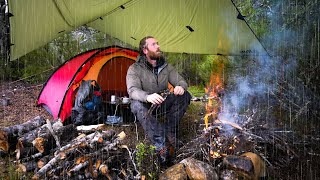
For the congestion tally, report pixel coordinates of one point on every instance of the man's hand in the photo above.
(155, 98)
(178, 90)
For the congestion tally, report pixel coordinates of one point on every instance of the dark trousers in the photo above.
(173, 108)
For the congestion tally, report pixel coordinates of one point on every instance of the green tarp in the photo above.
(185, 26)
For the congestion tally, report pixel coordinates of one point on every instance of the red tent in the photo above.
(108, 66)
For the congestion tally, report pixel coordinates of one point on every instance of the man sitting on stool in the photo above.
(146, 78)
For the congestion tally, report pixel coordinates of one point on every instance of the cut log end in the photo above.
(21, 168)
(121, 135)
(4, 144)
(104, 169)
(39, 144)
(4, 148)
(35, 177)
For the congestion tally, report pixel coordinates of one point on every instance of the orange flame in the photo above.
(212, 90)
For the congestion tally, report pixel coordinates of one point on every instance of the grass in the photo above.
(196, 91)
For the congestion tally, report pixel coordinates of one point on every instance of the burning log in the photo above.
(218, 144)
(235, 125)
(9, 135)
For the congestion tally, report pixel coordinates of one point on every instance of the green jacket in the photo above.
(142, 79)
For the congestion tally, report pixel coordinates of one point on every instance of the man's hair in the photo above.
(143, 44)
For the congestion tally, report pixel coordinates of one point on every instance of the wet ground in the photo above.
(23, 107)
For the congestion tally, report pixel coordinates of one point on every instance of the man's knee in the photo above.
(137, 106)
(184, 99)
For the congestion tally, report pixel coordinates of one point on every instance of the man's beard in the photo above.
(154, 55)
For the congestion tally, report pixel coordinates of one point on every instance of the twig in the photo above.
(131, 158)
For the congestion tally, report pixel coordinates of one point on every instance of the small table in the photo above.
(118, 109)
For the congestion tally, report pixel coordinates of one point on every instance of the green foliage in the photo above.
(188, 66)
(213, 64)
(146, 159)
(196, 91)
(10, 171)
(38, 65)
(256, 12)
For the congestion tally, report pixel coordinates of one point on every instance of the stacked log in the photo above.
(9, 135)
(66, 151)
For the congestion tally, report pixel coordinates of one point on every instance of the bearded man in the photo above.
(146, 79)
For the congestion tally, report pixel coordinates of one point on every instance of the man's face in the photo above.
(152, 49)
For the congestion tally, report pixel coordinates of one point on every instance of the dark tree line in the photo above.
(4, 32)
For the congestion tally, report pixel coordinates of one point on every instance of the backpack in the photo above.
(87, 107)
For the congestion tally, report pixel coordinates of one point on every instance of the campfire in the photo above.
(234, 150)
(213, 92)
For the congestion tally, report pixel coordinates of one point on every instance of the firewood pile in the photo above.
(53, 151)
(239, 152)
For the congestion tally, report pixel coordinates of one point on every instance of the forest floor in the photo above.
(23, 107)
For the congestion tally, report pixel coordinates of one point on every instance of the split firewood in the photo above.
(43, 161)
(90, 128)
(30, 158)
(101, 138)
(44, 141)
(90, 139)
(25, 142)
(20, 129)
(9, 135)
(60, 170)
(26, 167)
(72, 150)
(95, 168)
(25, 152)
(104, 170)
(46, 167)
(4, 144)
(77, 168)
